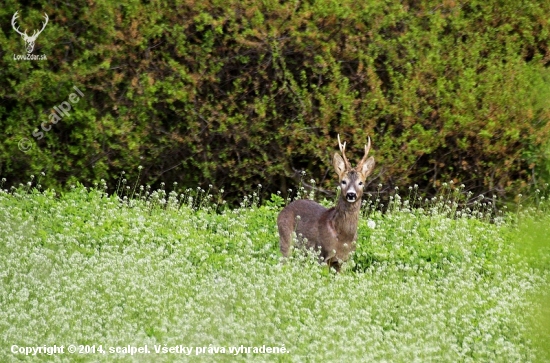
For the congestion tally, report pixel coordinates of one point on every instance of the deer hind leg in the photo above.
(286, 227)
(334, 263)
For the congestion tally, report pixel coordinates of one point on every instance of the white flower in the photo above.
(371, 224)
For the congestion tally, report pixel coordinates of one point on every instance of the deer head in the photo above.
(352, 179)
(28, 39)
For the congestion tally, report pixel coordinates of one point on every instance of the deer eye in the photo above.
(343, 182)
(360, 183)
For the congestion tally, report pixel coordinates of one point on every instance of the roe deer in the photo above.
(332, 231)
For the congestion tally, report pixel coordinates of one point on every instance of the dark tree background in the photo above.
(238, 93)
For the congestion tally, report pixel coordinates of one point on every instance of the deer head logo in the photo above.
(29, 40)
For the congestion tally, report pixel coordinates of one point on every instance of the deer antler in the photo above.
(367, 149)
(13, 24)
(35, 33)
(343, 151)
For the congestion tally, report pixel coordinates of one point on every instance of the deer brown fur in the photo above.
(332, 231)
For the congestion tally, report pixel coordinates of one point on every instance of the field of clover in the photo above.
(438, 280)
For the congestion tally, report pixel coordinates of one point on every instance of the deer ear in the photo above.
(339, 164)
(367, 167)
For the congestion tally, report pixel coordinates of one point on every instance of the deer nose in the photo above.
(351, 196)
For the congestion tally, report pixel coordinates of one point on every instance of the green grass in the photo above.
(427, 284)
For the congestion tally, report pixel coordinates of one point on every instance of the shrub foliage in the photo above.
(237, 93)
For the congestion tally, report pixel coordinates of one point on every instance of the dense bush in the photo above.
(237, 93)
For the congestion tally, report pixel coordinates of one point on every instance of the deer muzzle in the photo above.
(351, 197)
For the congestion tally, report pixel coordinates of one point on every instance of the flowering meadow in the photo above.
(431, 281)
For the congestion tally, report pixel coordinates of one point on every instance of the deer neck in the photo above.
(346, 218)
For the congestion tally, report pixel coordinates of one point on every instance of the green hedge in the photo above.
(238, 93)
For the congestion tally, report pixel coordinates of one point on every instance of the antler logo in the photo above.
(28, 39)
